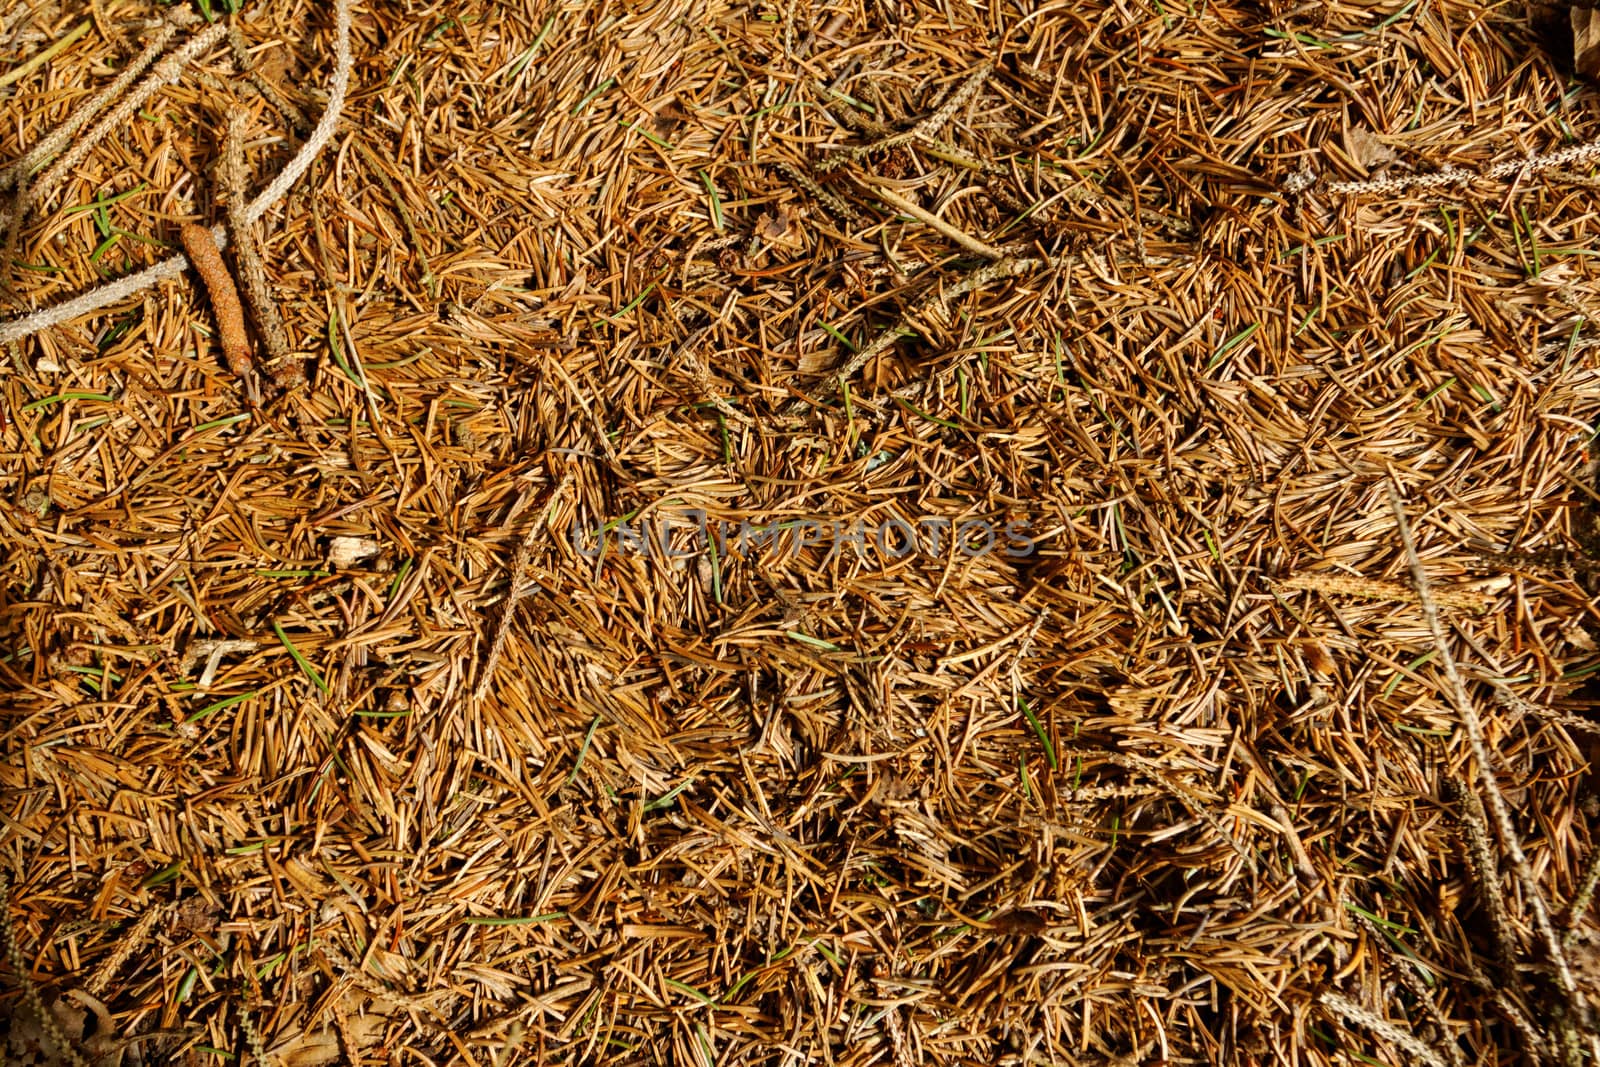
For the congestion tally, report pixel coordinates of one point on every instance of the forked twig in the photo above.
(514, 1038)
(163, 74)
(428, 280)
(112, 292)
(268, 91)
(921, 214)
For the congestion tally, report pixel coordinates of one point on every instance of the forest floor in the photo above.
(852, 533)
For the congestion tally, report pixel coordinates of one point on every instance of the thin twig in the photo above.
(101, 296)
(131, 941)
(1006, 267)
(173, 267)
(1486, 877)
(429, 282)
(1587, 883)
(1558, 161)
(1489, 786)
(268, 91)
(927, 129)
(514, 1038)
(280, 365)
(1533, 1039)
(252, 1039)
(1351, 1012)
(338, 89)
(57, 138)
(27, 67)
(514, 594)
(1371, 589)
(163, 74)
(360, 370)
(48, 1024)
(916, 211)
(1406, 970)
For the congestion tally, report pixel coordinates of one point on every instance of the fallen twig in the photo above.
(916, 211)
(24, 69)
(164, 73)
(122, 288)
(1351, 1012)
(519, 570)
(280, 365)
(207, 260)
(1006, 267)
(1488, 786)
(57, 138)
(48, 1024)
(1389, 185)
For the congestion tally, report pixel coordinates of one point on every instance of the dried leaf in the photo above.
(1586, 41)
(1366, 148)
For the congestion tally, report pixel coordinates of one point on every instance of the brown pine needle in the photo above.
(797, 762)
